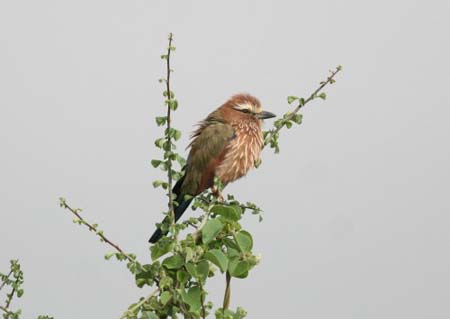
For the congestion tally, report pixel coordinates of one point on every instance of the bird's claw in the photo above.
(218, 194)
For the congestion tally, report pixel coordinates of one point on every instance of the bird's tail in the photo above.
(183, 204)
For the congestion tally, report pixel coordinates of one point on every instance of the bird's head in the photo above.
(245, 106)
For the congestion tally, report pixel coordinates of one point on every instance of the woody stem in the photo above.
(169, 139)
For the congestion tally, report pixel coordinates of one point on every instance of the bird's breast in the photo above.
(242, 152)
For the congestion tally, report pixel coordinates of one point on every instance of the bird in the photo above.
(226, 145)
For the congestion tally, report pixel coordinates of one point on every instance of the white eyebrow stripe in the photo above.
(247, 106)
(244, 106)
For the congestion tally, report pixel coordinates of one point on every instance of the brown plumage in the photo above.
(226, 144)
(243, 151)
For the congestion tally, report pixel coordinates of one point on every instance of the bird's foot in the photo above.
(218, 194)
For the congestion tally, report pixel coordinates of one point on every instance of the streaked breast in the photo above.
(242, 152)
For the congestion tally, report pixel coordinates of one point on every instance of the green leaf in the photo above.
(189, 253)
(156, 163)
(166, 146)
(192, 270)
(144, 277)
(291, 99)
(160, 183)
(193, 298)
(166, 94)
(165, 297)
(182, 276)
(217, 257)
(297, 118)
(165, 282)
(202, 270)
(278, 123)
(177, 135)
(161, 120)
(225, 314)
(160, 142)
(173, 262)
(240, 313)
(228, 212)
(157, 183)
(323, 95)
(211, 230)
(147, 315)
(238, 269)
(230, 244)
(161, 248)
(244, 240)
(173, 104)
(199, 271)
(232, 253)
(109, 255)
(172, 132)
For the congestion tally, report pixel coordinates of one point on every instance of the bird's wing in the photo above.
(207, 152)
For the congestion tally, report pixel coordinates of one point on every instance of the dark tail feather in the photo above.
(183, 204)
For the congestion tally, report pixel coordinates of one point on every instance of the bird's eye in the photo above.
(245, 111)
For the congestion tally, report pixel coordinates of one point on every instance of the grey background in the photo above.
(356, 205)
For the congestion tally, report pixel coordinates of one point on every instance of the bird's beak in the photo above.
(265, 115)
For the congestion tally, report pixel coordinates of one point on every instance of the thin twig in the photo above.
(184, 310)
(191, 224)
(6, 279)
(322, 85)
(139, 304)
(5, 310)
(227, 295)
(9, 298)
(94, 229)
(243, 206)
(169, 140)
(202, 299)
(182, 305)
(329, 80)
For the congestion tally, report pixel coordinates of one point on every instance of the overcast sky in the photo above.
(356, 205)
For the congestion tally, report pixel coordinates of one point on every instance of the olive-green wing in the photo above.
(207, 151)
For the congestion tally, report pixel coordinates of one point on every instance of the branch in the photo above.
(76, 212)
(10, 297)
(6, 310)
(202, 300)
(227, 295)
(6, 279)
(139, 304)
(330, 80)
(302, 102)
(14, 283)
(169, 139)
